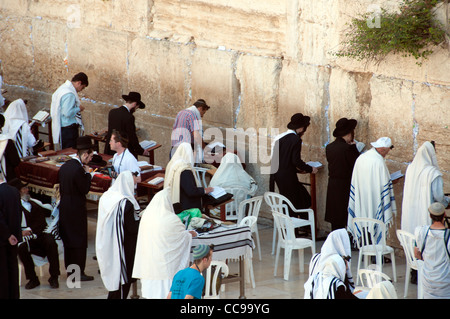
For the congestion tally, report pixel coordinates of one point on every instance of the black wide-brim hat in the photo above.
(134, 97)
(298, 120)
(17, 183)
(344, 126)
(97, 160)
(84, 143)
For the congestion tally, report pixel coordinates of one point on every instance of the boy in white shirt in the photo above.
(123, 160)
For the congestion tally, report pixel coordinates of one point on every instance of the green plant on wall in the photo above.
(411, 32)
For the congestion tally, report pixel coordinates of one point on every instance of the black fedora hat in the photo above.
(134, 97)
(97, 160)
(298, 120)
(84, 143)
(17, 183)
(344, 126)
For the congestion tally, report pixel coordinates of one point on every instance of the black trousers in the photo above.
(69, 135)
(122, 293)
(9, 272)
(75, 256)
(44, 246)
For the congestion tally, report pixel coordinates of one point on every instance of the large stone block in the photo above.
(304, 88)
(390, 115)
(159, 71)
(16, 51)
(49, 52)
(213, 79)
(259, 82)
(432, 117)
(102, 55)
(260, 25)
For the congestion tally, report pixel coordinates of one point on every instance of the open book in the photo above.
(41, 116)
(147, 144)
(396, 175)
(217, 192)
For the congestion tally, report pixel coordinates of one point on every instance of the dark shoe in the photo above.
(53, 281)
(85, 277)
(33, 283)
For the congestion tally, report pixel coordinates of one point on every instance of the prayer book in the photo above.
(396, 175)
(217, 192)
(315, 164)
(41, 116)
(156, 180)
(147, 144)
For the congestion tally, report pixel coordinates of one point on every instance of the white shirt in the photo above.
(125, 162)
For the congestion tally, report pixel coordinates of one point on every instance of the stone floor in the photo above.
(268, 286)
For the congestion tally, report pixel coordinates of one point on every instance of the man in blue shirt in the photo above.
(189, 282)
(64, 109)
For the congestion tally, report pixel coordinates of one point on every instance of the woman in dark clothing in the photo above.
(341, 156)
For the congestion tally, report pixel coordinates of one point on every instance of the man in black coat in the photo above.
(286, 163)
(10, 236)
(75, 182)
(341, 156)
(122, 120)
(36, 241)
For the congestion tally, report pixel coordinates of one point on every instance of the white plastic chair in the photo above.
(365, 229)
(251, 207)
(232, 208)
(369, 278)
(211, 285)
(200, 173)
(249, 221)
(407, 240)
(289, 242)
(280, 204)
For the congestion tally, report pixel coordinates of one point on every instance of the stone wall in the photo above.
(255, 62)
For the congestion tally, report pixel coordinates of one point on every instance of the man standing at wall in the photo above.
(66, 111)
(371, 191)
(188, 128)
(122, 120)
(286, 163)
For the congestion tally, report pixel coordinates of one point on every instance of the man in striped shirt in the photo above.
(188, 128)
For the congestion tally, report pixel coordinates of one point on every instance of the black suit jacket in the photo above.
(190, 194)
(12, 160)
(10, 214)
(74, 184)
(284, 171)
(341, 159)
(36, 217)
(122, 120)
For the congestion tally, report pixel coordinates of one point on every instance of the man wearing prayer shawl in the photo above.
(371, 192)
(17, 128)
(163, 247)
(231, 174)
(186, 191)
(433, 247)
(329, 282)
(66, 109)
(423, 186)
(337, 242)
(9, 158)
(116, 236)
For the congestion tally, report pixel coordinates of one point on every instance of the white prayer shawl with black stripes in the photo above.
(371, 191)
(3, 144)
(337, 242)
(55, 109)
(110, 232)
(16, 127)
(324, 284)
